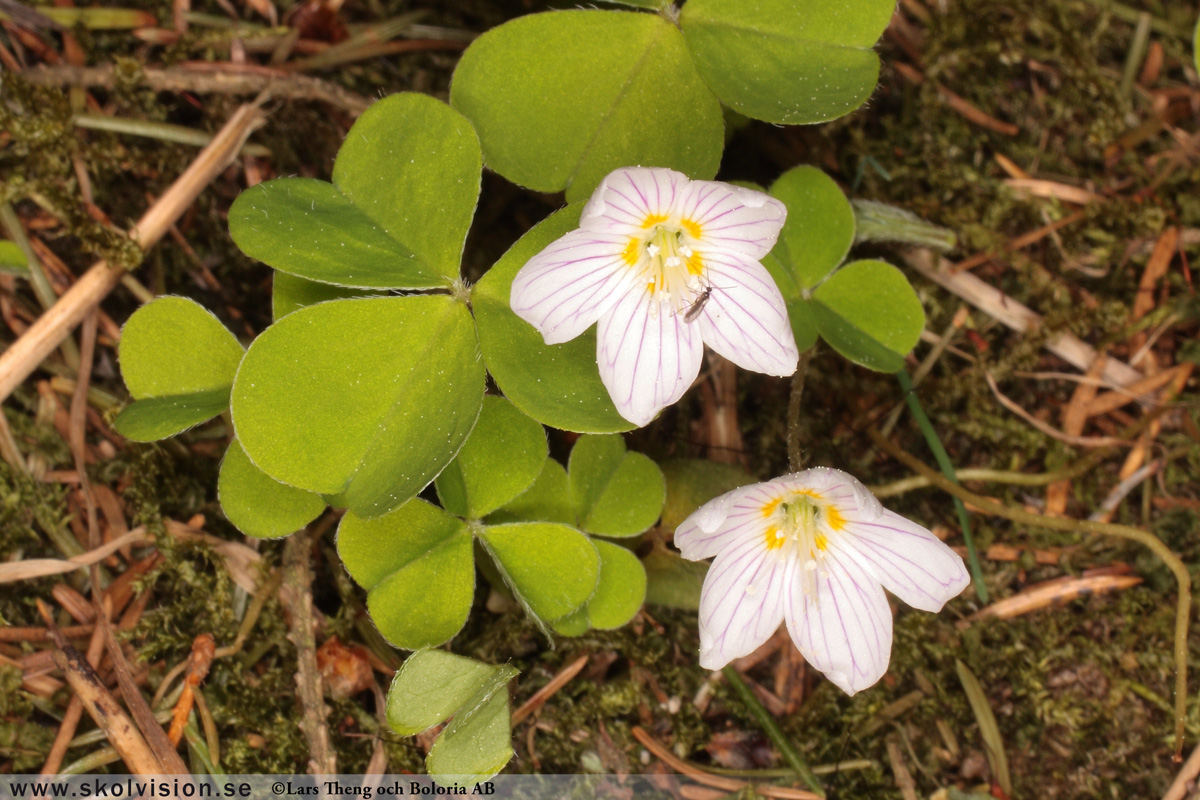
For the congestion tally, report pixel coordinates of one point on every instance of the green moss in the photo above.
(23, 743)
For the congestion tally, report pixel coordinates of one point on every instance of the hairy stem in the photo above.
(795, 456)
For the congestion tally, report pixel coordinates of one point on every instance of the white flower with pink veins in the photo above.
(814, 549)
(665, 265)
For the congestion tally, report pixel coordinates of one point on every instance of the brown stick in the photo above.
(293, 87)
(43, 634)
(104, 709)
(546, 692)
(23, 357)
(716, 781)
(1012, 314)
(66, 731)
(298, 580)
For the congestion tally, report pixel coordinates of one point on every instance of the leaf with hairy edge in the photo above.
(558, 385)
(178, 362)
(432, 685)
(396, 215)
(869, 312)
(368, 399)
(257, 504)
(614, 492)
(501, 459)
(561, 99)
(418, 568)
(787, 62)
(552, 569)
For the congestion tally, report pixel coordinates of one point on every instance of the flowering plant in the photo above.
(814, 549)
(372, 382)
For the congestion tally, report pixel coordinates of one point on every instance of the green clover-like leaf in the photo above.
(368, 399)
(614, 492)
(558, 385)
(396, 215)
(561, 99)
(501, 459)
(290, 293)
(547, 500)
(257, 504)
(869, 312)
(178, 362)
(787, 62)
(552, 569)
(418, 568)
(819, 228)
(431, 686)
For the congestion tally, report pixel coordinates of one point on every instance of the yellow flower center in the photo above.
(796, 522)
(672, 271)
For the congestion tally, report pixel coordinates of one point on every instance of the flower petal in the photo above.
(565, 288)
(628, 198)
(731, 217)
(854, 501)
(844, 627)
(646, 362)
(741, 604)
(908, 560)
(745, 319)
(725, 520)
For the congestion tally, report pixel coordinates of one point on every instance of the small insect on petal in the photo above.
(698, 305)
(641, 265)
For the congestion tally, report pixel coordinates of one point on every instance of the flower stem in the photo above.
(943, 460)
(1149, 540)
(770, 727)
(795, 456)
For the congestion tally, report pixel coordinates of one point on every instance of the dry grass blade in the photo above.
(74, 712)
(1181, 788)
(1013, 314)
(1059, 590)
(179, 79)
(1050, 430)
(107, 713)
(1053, 190)
(1156, 267)
(988, 729)
(716, 781)
(904, 778)
(24, 355)
(298, 582)
(41, 567)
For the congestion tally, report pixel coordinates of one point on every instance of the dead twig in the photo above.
(1184, 782)
(41, 567)
(1055, 592)
(107, 713)
(298, 580)
(73, 714)
(182, 79)
(1050, 430)
(52, 327)
(1012, 314)
(716, 781)
(546, 692)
